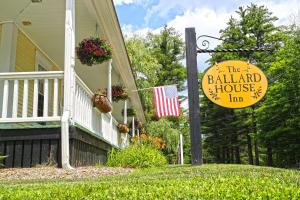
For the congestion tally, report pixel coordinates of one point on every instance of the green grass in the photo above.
(173, 182)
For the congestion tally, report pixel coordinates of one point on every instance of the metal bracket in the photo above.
(205, 45)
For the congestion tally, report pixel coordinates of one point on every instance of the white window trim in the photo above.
(40, 59)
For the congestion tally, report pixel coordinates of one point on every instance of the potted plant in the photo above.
(123, 128)
(92, 51)
(130, 112)
(137, 124)
(118, 92)
(101, 101)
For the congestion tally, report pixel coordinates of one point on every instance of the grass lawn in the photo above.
(172, 182)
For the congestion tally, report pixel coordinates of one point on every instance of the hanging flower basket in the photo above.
(118, 93)
(139, 125)
(130, 112)
(123, 128)
(92, 51)
(101, 102)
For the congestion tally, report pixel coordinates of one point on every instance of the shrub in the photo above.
(154, 142)
(1, 160)
(136, 156)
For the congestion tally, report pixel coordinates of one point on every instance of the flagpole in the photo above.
(181, 149)
(149, 88)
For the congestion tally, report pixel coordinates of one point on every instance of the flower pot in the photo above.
(123, 128)
(102, 103)
(139, 125)
(93, 51)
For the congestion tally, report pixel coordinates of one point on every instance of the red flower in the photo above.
(99, 52)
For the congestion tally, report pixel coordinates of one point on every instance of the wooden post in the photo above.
(125, 112)
(109, 96)
(193, 95)
(133, 127)
(8, 46)
(181, 149)
(69, 77)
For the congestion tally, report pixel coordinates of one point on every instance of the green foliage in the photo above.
(269, 129)
(279, 114)
(2, 158)
(136, 156)
(156, 61)
(184, 182)
(130, 112)
(163, 129)
(168, 49)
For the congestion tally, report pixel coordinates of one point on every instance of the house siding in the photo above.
(26, 62)
(0, 31)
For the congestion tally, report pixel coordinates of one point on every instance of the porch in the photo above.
(44, 88)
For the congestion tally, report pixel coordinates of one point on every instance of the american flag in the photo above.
(166, 101)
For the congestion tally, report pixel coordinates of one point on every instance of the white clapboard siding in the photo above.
(26, 96)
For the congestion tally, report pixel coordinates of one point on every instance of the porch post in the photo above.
(125, 112)
(109, 96)
(69, 77)
(133, 127)
(8, 49)
(109, 80)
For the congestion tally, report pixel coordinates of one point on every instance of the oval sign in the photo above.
(234, 84)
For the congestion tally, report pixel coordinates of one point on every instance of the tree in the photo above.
(168, 49)
(144, 66)
(156, 61)
(254, 27)
(279, 114)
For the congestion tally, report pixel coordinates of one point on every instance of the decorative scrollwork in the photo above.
(205, 43)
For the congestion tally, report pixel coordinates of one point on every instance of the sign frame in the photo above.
(257, 69)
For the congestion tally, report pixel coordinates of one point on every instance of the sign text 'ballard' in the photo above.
(234, 84)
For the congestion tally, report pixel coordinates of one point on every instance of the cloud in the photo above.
(130, 31)
(143, 3)
(122, 2)
(208, 20)
(164, 7)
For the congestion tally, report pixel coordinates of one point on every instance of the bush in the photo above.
(136, 156)
(1, 160)
(147, 140)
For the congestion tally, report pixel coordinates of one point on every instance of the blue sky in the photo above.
(207, 16)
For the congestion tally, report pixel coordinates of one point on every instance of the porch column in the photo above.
(69, 77)
(133, 127)
(109, 96)
(125, 112)
(8, 49)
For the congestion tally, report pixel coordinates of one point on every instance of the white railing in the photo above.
(106, 126)
(115, 134)
(30, 96)
(90, 118)
(84, 113)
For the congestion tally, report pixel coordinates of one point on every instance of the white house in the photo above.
(46, 112)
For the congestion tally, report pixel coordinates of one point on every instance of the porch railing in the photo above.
(30, 96)
(90, 118)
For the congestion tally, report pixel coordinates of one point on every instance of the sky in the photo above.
(207, 16)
